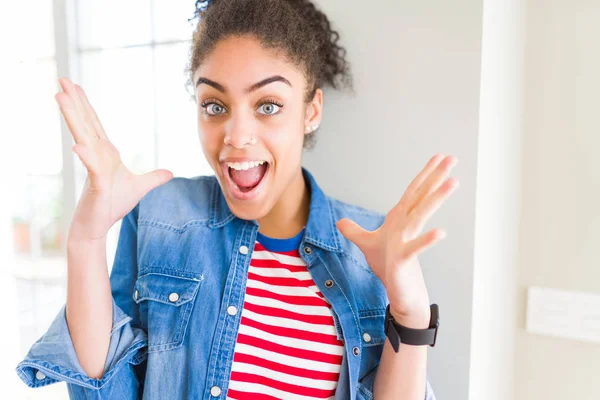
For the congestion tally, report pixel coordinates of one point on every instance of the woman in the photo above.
(252, 283)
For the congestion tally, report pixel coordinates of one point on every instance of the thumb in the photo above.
(153, 179)
(352, 231)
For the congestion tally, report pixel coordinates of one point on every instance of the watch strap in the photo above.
(397, 333)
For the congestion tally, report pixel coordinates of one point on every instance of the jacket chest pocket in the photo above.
(165, 302)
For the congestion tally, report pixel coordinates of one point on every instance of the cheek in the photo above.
(286, 149)
(287, 132)
(283, 141)
(210, 140)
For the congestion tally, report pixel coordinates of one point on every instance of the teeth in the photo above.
(245, 165)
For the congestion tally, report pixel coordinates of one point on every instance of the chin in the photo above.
(247, 211)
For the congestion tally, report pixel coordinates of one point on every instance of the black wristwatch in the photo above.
(416, 337)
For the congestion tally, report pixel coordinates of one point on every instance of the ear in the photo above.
(314, 111)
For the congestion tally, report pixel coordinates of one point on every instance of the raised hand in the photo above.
(111, 190)
(392, 249)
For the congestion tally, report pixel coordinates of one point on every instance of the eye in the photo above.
(212, 108)
(269, 108)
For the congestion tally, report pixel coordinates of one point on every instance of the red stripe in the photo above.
(286, 387)
(293, 333)
(237, 395)
(277, 264)
(297, 300)
(291, 253)
(289, 351)
(281, 313)
(286, 369)
(261, 345)
(277, 281)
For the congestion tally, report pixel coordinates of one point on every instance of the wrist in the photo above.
(417, 320)
(77, 246)
(75, 241)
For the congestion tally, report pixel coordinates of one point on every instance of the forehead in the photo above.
(237, 62)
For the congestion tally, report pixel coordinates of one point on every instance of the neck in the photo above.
(287, 218)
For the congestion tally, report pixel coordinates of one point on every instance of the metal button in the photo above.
(355, 350)
(232, 310)
(215, 391)
(40, 376)
(173, 297)
(307, 250)
(244, 250)
(136, 294)
(366, 337)
(328, 283)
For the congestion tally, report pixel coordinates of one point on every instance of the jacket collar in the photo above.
(320, 229)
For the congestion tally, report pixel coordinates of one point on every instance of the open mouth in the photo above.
(245, 179)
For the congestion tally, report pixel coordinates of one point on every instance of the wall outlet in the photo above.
(563, 313)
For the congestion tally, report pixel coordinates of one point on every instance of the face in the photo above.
(252, 118)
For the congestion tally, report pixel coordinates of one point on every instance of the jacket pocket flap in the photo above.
(372, 325)
(167, 289)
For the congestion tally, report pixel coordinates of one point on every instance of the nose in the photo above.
(240, 131)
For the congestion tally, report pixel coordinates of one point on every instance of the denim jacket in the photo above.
(182, 259)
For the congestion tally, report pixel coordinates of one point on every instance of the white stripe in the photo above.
(295, 343)
(267, 302)
(283, 377)
(280, 273)
(285, 359)
(282, 258)
(285, 290)
(290, 323)
(258, 388)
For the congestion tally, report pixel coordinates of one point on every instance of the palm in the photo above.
(392, 249)
(111, 190)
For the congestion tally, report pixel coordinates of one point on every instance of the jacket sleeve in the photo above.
(52, 357)
(365, 387)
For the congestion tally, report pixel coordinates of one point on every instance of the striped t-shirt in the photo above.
(286, 346)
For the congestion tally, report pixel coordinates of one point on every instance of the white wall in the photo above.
(561, 185)
(511, 88)
(417, 71)
(498, 200)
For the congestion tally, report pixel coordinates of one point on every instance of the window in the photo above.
(131, 64)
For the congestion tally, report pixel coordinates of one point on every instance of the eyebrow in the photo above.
(252, 88)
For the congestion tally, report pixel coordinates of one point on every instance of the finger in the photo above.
(87, 156)
(69, 88)
(151, 180)
(73, 119)
(72, 91)
(423, 212)
(423, 242)
(93, 117)
(354, 232)
(417, 181)
(433, 181)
